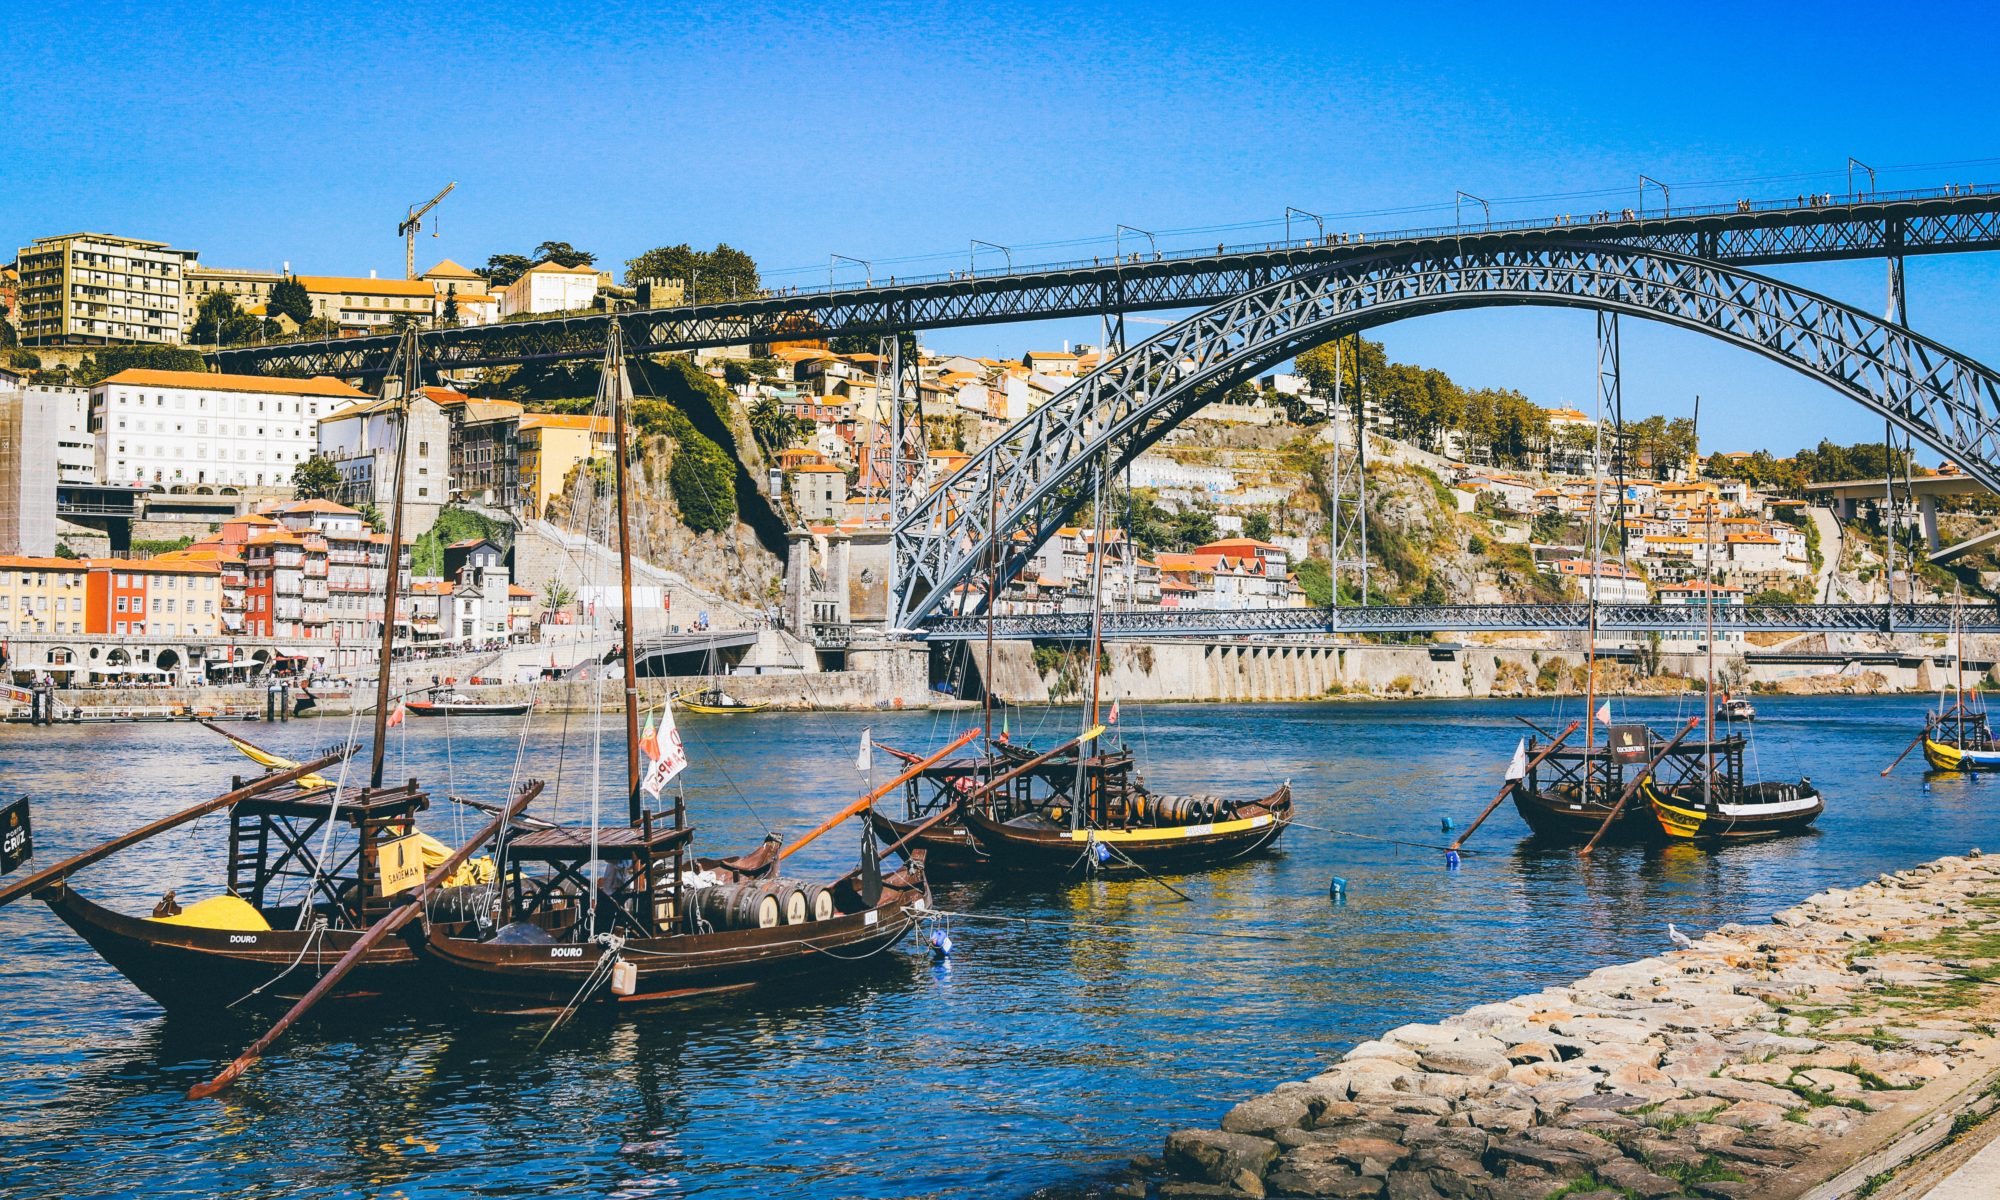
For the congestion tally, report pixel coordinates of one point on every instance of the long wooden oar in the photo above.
(959, 803)
(1507, 788)
(1634, 785)
(1914, 743)
(395, 919)
(868, 801)
(68, 866)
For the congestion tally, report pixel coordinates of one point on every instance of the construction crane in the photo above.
(414, 222)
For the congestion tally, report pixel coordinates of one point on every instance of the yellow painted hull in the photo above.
(717, 710)
(1942, 756)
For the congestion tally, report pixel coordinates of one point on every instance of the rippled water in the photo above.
(1040, 1054)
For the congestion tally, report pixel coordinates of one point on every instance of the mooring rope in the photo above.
(1115, 926)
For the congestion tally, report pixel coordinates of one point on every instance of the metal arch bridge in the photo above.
(1042, 466)
(1686, 620)
(1878, 225)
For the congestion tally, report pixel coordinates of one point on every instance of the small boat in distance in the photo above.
(1736, 708)
(457, 704)
(715, 701)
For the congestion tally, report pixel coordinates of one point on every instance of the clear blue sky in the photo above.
(262, 135)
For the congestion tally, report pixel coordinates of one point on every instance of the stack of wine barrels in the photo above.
(761, 905)
(1169, 811)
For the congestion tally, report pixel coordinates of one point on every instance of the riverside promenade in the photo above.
(1845, 1049)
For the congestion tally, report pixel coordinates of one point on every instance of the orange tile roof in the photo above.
(817, 468)
(27, 562)
(315, 506)
(566, 421)
(354, 286)
(209, 381)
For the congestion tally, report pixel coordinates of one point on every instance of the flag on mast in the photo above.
(864, 759)
(1518, 769)
(649, 739)
(1113, 718)
(1604, 713)
(669, 756)
(396, 717)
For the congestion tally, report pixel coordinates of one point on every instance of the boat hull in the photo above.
(1683, 818)
(719, 710)
(1046, 849)
(1558, 818)
(1943, 756)
(196, 972)
(540, 980)
(948, 846)
(419, 708)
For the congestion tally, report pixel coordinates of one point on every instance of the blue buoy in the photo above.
(1337, 889)
(1451, 860)
(940, 946)
(1444, 826)
(1102, 851)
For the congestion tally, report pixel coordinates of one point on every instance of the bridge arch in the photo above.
(1041, 466)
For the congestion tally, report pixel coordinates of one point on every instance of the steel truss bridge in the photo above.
(1684, 620)
(1877, 225)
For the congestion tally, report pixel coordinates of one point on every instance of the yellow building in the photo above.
(42, 595)
(549, 445)
(92, 289)
(369, 305)
(250, 289)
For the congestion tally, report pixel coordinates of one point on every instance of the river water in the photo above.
(1037, 1056)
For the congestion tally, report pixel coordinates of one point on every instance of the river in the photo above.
(1036, 1056)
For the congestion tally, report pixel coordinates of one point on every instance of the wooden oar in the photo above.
(1538, 729)
(1634, 785)
(1507, 788)
(1914, 743)
(395, 919)
(953, 807)
(14, 891)
(869, 800)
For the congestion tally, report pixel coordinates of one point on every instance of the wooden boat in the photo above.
(661, 927)
(1746, 813)
(458, 704)
(716, 702)
(1959, 738)
(1567, 794)
(1169, 842)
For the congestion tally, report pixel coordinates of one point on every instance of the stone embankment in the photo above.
(1805, 1058)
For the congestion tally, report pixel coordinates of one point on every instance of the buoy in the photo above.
(940, 946)
(1451, 860)
(1102, 851)
(1444, 826)
(1337, 889)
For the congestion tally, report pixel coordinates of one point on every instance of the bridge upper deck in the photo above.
(1937, 221)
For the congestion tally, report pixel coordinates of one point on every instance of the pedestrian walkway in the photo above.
(1977, 1179)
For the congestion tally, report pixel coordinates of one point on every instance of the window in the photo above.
(121, 604)
(156, 604)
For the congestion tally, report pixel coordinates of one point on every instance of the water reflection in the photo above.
(1038, 1051)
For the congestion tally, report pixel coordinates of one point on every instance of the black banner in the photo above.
(17, 841)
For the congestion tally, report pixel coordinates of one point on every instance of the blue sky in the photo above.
(262, 136)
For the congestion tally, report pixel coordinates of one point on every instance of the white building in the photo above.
(194, 428)
(1694, 593)
(361, 441)
(76, 446)
(549, 288)
(27, 470)
(93, 288)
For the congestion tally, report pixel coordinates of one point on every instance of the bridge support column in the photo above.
(797, 606)
(1927, 506)
(838, 547)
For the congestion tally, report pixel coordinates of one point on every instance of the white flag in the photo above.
(1604, 713)
(1518, 769)
(673, 757)
(865, 758)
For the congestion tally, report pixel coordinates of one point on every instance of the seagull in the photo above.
(1679, 939)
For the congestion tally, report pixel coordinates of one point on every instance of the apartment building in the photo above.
(369, 305)
(550, 288)
(549, 446)
(27, 469)
(194, 429)
(249, 289)
(484, 453)
(286, 590)
(154, 598)
(42, 595)
(361, 441)
(94, 289)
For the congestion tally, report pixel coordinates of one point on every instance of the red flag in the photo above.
(1113, 718)
(396, 718)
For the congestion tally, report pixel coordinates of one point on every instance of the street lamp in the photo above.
(868, 268)
(971, 257)
(1666, 197)
(1289, 210)
(1119, 245)
(1458, 197)
(1853, 162)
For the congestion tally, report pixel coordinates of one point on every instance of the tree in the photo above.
(564, 255)
(557, 595)
(8, 337)
(451, 305)
(1192, 526)
(319, 329)
(214, 312)
(371, 516)
(110, 360)
(316, 478)
(289, 299)
(720, 274)
(735, 374)
(63, 551)
(503, 269)
(1257, 525)
(774, 428)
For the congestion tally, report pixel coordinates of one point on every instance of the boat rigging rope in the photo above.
(314, 934)
(1373, 838)
(599, 973)
(710, 758)
(332, 813)
(1127, 859)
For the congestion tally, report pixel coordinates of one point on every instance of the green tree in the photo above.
(214, 313)
(564, 255)
(774, 428)
(1257, 525)
(723, 273)
(1315, 577)
(8, 336)
(451, 305)
(289, 299)
(503, 269)
(320, 329)
(453, 525)
(371, 516)
(110, 360)
(316, 478)
(63, 551)
(557, 595)
(1192, 526)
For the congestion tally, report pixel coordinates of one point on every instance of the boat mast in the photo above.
(1096, 639)
(614, 366)
(1708, 610)
(1590, 610)
(1958, 657)
(412, 375)
(992, 589)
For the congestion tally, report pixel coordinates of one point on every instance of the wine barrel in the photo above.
(711, 905)
(790, 898)
(754, 908)
(819, 901)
